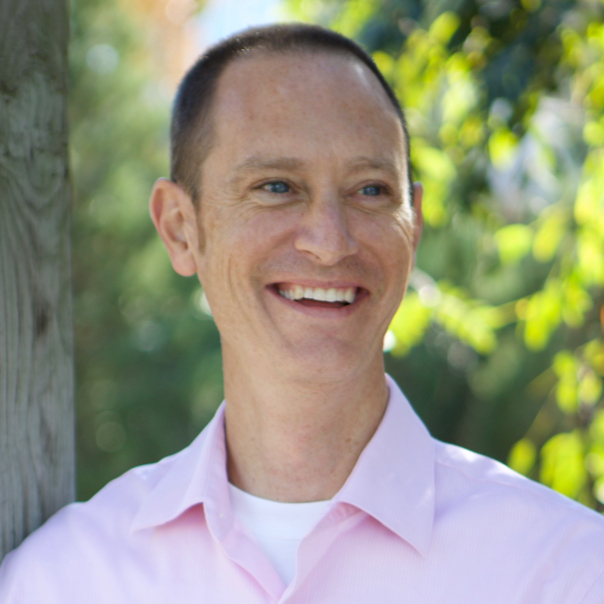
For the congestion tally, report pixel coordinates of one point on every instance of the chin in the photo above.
(334, 363)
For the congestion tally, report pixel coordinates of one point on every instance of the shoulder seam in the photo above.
(563, 499)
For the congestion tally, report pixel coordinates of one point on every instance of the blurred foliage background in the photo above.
(148, 365)
(498, 343)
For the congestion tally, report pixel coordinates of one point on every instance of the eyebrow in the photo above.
(375, 163)
(257, 162)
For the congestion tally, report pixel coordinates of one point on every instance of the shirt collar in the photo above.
(197, 475)
(393, 480)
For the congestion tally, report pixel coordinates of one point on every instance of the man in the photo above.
(291, 200)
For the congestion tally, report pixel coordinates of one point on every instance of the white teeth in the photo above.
(319, 294)
(332, 294)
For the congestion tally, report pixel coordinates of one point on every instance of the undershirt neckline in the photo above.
(277, 527)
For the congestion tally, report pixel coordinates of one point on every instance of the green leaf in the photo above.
(410, 323)
(543, 315)
(385, 63)
(562, 463)
(443, 27)
(522, 456)
(502, 148)
(590, 388)
(467, 321)
(513, 242)
(549, 235)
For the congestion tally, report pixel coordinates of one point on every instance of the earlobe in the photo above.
(418, 219)
(173, 214)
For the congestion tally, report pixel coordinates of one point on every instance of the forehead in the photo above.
(276, 102)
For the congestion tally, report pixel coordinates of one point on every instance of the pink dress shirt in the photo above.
(418, 522)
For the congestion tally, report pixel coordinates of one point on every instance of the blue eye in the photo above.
(372, 190)
(276, 187)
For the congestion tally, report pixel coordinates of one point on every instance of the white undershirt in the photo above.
(277, 527)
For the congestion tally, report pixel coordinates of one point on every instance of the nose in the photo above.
(324, 234)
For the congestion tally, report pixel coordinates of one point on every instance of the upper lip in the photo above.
(317, 283)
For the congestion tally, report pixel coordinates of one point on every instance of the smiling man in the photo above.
(291, 200)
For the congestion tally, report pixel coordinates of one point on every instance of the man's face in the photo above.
(308, 237)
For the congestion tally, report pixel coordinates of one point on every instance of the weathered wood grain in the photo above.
(36, 348)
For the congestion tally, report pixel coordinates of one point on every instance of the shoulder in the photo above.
(111, 511)
(513, 521)
(463, 473)
(89, 531)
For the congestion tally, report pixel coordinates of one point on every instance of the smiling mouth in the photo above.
(332, 297)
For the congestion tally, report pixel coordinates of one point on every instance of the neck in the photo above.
(298, 440)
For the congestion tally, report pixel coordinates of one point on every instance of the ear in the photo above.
(418, 219)
(173, 215)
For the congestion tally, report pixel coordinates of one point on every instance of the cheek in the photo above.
(240, 243)
(390, 237)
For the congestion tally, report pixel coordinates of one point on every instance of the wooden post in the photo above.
(37, 458)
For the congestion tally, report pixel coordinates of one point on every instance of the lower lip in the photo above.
(317, 308)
